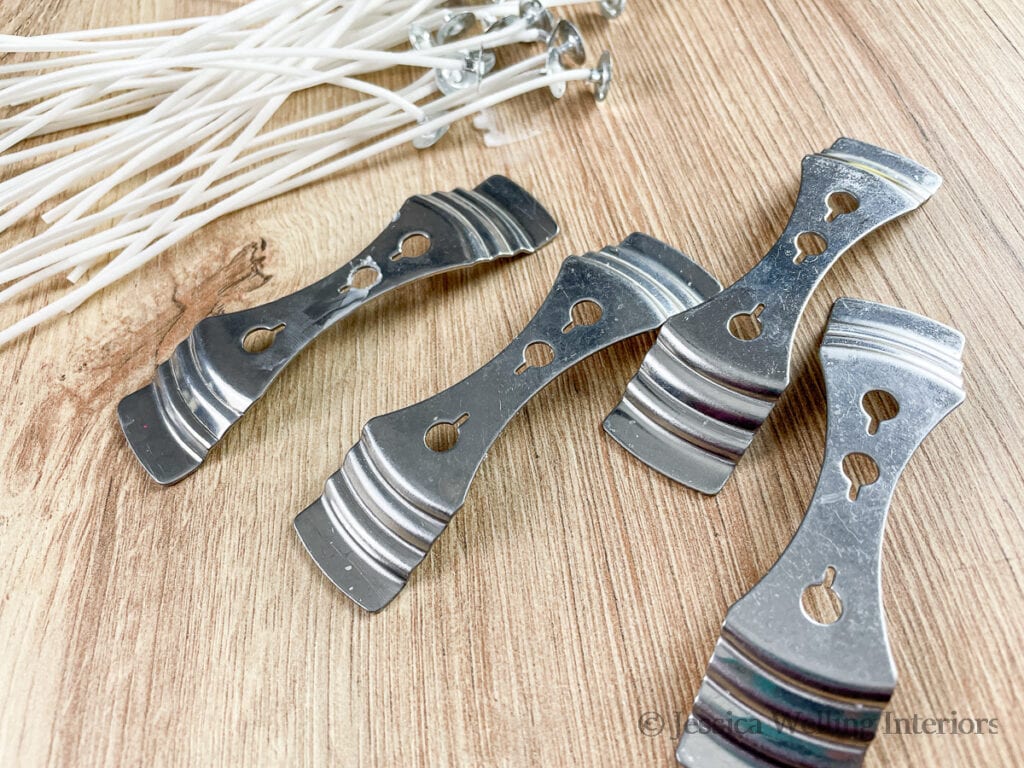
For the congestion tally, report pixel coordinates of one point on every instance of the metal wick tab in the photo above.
(716, 371)
(400, 485)
(212, 378)
(789, 685)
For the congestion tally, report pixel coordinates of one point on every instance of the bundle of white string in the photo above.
(197, 94)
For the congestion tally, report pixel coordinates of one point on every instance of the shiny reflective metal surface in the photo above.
(702, 392)
(211, 379)
(394, 495)
(783, 688)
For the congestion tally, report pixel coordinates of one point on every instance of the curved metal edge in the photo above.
(527, 223)
(161, 430)
(209, 381)
(916, 179)
(683, 422)
(746, 714)
(362, 535)
(690, 412)
(376, 522)
(667, 277)
(889, 332)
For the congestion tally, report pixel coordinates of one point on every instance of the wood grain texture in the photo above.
(577, 589)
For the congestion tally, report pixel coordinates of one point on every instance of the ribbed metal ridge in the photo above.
(749, 713)
(888, 332)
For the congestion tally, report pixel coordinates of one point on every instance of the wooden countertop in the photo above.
(577, 590)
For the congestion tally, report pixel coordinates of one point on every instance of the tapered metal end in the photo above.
(342, 562)
(749, 715)
(919, 181)
(857, 325)
(682, 419)
(521, 212)
(658, 447)
(168, 452)
(703, 747)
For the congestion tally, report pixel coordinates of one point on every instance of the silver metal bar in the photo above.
(784, 688)
(211, 379)
(397, 491)
(705, 388)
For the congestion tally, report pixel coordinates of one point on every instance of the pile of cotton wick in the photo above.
(194, 97)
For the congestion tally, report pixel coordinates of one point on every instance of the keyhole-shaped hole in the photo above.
(412, 246)
(444, 435)
(880, 406)
(362, 278)
(536, 355)
(583, 313)
(260, 339)
(747, 326)
(819, 601)
(809, 245)
(839, 204)
(861, 470)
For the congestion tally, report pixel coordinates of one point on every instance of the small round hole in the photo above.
(583, 313)
(260, 339)
(747, 326)
(444, 435)
(879, 406)
(809, 245)
(412, 246)
(536, 355)
(861, 470)
(820, 602)
(363, 278)
(839, 204)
